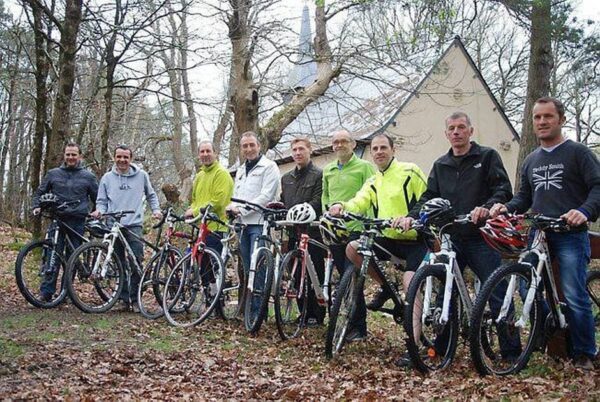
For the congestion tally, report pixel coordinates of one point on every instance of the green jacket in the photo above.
(212, 185)
(342, 184)
(391, 194)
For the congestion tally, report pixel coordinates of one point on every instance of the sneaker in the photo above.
(355, 335)
(379, 299)
(583, 362)
(404, 361)
(46, 297)
(313, 322)
(122, 305)
(135, 308)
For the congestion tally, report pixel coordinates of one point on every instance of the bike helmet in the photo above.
(333, 230)
(97, 228)
(506, 234)
(301, 214)
(437, 212)
(276, 205)
(48, 200)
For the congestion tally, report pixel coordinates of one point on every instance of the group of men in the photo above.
(472, 177)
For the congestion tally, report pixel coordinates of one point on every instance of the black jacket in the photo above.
(305, 185)
(479, 180)
(69, 184)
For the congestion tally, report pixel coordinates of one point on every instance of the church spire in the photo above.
(304, 71)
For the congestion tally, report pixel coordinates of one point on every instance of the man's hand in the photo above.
(157, 215)
(478, 214)
(189, 213)
(404, 223)
(336, 209)
(36, 211)
(96, 214)
(574, 218)
(234, 210)
(497, 209)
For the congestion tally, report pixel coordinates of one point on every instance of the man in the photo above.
(561, 178)
(257, 180)
(304, 184)
(75, 185)
(394, 189)
(212, 185)
(124, 188)
(472, 177)
(342, 179)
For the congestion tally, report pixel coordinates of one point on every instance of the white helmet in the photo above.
(301, 214)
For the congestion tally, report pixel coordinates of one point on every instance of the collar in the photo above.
(388, 166)
(299, 172)
(210, 167)
(447, 158)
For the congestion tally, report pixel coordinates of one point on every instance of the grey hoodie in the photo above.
(123, 192)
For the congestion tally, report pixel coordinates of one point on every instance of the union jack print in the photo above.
(548, 179)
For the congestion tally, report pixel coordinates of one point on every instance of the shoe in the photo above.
(355, 335)
(46, 297)
(122, 305)
(379, 299)
(135, 308)
(404, 361)
(312, 322)
(583, 362)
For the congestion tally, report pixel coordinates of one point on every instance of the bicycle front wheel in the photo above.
(593, 288)
(290, 299)
(503, 334)
(342, 310)
(193, 288)
(39, 271)
(90, 289)
(153, 282)
(231, 304)
(257, 300)
(431, 339)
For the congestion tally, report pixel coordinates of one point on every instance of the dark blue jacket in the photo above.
(69, 184)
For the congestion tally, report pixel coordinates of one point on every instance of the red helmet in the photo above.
(505, 233)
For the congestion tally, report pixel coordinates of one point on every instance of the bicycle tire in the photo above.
(259, 297)
(486, 359)
(153, 280)
(436, 345)
(343, 308)
(29, 266)
(593, 287)
(231, 304)
(94, 295)
(192, 290)
(289, 305)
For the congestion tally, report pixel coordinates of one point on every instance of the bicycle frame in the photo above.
(274, 248)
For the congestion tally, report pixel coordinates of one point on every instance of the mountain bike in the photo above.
(593, 288)
(39, 261)
(193, 288)
(521, 315)
(160, 265)
(265, 259)
(96, 275)
(352, 282)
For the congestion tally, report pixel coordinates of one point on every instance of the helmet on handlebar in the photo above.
(301, 214)
(333, 230)
(97, 228)
(48, 201)
(506, 234)
(437, 212)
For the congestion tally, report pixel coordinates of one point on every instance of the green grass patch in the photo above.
(104, 323)
(163, 345)
(536, 369)
(9, 349)
(22, 321)
(15, 246)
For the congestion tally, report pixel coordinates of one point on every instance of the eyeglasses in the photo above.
(341, 142)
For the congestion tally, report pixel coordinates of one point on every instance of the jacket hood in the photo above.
(79, 166)
(133, 170)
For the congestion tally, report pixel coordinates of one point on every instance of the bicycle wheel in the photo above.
(94, 292)
(430, 343)
(153, 281)
(593, 288)
(290, 299)
(231, 304)
(257, 301)
(502, 340)
(193, 288)
(342, 310)
(39, 265)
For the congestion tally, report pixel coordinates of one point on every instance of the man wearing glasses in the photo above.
(126, 187)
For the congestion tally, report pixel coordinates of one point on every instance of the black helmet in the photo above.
(333, 230)
(48, 201)
(437, 212)
(97, 228)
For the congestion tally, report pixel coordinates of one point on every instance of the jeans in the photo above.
(572, 250)
(138, 251)
(247, 241)
(48, 285)
(483, 261)
(213, 241)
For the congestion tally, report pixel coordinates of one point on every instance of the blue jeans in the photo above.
(138, 251)
(48, 285)
(572, 250)
(483, 261)
(247, 242)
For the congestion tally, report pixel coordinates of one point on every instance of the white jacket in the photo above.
(260, 186)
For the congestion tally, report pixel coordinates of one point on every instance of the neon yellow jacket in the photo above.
(391, 194)
(213, 184)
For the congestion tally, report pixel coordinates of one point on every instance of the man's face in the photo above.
(547, 124)
(382, 152)
(206, 154)
(458, 132)
(343, 145)
(123, 160)
(250, 148)
(72, 156)
(301, 153)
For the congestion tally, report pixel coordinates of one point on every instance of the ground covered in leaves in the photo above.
(65, 354)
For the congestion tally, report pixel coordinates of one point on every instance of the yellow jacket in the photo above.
(212, 185)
